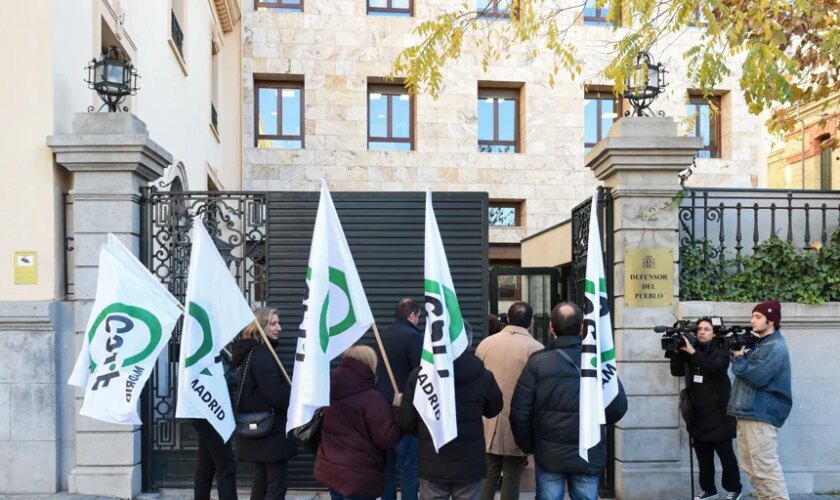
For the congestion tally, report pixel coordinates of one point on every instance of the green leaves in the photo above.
(790, 48)
(777, 269)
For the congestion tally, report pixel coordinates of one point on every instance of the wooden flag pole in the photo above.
(271, 350)
(385, 358)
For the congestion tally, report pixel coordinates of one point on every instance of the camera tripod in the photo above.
(690, 438)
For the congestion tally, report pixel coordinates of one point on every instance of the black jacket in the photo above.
(402, 342)
(710, 397)
(544, 411)
(264, 388)
(476, 395)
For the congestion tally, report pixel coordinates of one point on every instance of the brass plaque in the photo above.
(26, 268)
(648, 277)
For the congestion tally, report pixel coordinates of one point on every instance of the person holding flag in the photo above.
(216, 312)
(446, 397)
(581, 354)
(263, 389)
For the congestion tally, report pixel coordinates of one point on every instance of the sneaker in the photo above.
(706, 494)
(733, 495)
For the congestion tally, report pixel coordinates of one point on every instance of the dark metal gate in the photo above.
(580, 248)
(265, 238)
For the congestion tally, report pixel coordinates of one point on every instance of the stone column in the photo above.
(111, 157)
(639, 160)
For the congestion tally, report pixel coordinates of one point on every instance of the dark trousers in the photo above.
(510, 469)
(731, 479)
(215, 458)
(403, 458)
(269, 480)
(334, 495)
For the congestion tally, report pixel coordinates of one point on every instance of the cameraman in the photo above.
(761, 401)
(708, 385)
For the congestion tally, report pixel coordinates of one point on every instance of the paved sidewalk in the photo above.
(170, 494)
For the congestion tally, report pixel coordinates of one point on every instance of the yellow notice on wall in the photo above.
(648, 277)
(26, 268)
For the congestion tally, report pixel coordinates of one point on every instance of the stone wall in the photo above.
(335, 47)
(36, 408)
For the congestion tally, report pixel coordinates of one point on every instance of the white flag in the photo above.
(336, 314)
(131, 322)
(444, 340)
(598, 380)
(216, 312)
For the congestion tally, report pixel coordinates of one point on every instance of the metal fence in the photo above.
(728, 224)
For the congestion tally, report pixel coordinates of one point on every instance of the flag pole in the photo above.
(385, 358)
(271, 350)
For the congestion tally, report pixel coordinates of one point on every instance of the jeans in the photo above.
(334, 495)
(510, 469)
(731, 478)
(215, 458)
(552, 486)
(456, 491)
(404, 458)
(269, 481)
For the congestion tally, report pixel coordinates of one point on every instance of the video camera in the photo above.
(733, 338)
(672, 336)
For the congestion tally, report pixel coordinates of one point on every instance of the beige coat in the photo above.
(505, 355)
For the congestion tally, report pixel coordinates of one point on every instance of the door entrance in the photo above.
(538, 286)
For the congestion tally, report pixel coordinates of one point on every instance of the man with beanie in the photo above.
(761, 400)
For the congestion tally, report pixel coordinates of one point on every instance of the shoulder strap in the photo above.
(568, 358)
(243, 378)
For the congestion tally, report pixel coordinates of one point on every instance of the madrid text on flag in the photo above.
(216, 312)
(444, 340)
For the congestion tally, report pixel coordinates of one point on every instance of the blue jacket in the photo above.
(761, 390)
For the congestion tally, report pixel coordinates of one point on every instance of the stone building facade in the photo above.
(337, 54)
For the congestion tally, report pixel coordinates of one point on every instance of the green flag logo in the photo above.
(450, 300)
(339, 279)
(119, 320)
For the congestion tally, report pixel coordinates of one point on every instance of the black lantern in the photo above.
(644, 84)
(113, 78)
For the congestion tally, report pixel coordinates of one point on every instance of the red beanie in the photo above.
(771, 310)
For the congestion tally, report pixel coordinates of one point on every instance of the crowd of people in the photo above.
(514, 398)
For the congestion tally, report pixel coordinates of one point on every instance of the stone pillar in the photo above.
(639, 160)
(111, 157)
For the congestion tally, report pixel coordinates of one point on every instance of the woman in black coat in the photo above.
(710, 427)
(263, 388)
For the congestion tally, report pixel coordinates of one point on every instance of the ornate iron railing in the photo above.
(731, 223)
(580, 241)
(236, 222)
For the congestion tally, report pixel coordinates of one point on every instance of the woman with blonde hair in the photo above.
(359, 428)
(263, 388)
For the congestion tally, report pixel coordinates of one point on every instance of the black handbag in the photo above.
(309, 434)
(686, 406)
(252, 424)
